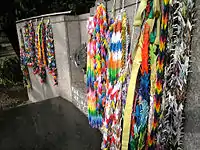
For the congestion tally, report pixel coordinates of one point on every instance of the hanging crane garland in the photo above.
(160, 87)
(27, 46)
(36, 50)
(39, 52)
(176, 73)
(51, 60)
(23, 62)
(90, 75)
(32, 47)
(96, 67)
(115, 99)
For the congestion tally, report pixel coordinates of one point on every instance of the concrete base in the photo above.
(53, 124)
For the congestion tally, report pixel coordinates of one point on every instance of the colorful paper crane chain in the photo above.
(38, 51)
(155, 86)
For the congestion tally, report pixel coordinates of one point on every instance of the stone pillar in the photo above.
(192, 105)
(61, 38)
(39, 91)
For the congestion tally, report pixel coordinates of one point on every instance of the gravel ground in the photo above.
(12, 96)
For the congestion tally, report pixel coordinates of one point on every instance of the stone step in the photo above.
(6, 49)
(2, 33)
(3, 39)
(8, 53)
(6, 44)
(10, 48)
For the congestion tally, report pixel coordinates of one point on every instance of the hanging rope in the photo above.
(113, 9)
(133, 30)
(123, 4)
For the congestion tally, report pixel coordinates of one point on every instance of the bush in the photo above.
(10, 71)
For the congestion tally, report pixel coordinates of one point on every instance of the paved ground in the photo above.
(49, 125)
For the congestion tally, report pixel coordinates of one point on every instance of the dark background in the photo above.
(13, 10)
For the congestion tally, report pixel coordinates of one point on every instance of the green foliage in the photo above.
(10, 72)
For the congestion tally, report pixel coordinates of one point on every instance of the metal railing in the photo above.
(46, 15)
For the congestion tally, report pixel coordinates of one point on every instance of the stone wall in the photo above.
(78, 85)
(48, 90)
(69, 33)
(83, 30)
